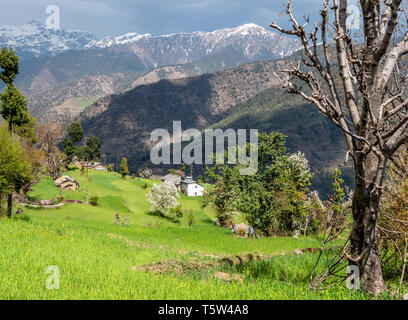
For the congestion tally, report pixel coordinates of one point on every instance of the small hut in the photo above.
(173, 178)
(66, 183)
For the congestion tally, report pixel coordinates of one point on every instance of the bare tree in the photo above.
(359, 87)
(49, 135)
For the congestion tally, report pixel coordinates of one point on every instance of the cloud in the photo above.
(115, 17)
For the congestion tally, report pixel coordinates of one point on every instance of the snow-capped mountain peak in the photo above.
(120, 40)
(34, 39)
(247, 29)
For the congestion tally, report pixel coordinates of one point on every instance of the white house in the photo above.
(191, 188)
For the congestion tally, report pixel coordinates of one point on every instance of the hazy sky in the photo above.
(116, 17)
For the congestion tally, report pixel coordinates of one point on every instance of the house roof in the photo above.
(191, 182)
(172, 178)
(179, 172)
(156, 177)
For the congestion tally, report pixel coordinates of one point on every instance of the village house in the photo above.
(190, 188)
(89, 165)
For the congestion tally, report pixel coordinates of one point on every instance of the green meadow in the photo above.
(149, 258)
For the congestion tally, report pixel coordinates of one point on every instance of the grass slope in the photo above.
(100, 260)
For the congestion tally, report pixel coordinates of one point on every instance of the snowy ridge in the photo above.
(125, 39)
(250, 38)
(35, 40)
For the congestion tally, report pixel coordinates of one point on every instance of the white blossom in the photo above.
(163, 197)
(300, 161)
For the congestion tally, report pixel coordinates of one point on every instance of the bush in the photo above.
(93, 200)
(144, 185)
(178, 212)
(110, 168)
(191, 217)
(133, 176)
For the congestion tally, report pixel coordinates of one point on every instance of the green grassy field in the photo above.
(98, 259)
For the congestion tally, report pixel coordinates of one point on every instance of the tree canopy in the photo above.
(271, 200)
(15, 167)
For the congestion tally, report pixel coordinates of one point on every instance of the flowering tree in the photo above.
(163, 197)
(145, 173)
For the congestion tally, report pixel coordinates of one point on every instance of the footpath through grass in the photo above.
(98, 259)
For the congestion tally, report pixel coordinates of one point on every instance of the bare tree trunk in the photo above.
(371, 96)
(306, 225)
(363, 239)
(9, 205)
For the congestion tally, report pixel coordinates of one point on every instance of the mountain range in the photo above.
(35, 40)
(122, 88)
(68, 74)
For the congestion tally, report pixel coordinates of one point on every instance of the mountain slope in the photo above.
(244, 97)
(124, 122)
(64, 103)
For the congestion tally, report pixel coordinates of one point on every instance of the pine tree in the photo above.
(76, 132)
(13, 105)
(94, 148)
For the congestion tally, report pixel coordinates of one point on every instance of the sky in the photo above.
(117, 17)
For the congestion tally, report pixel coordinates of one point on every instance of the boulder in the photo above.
(45, 202)
(298, 251)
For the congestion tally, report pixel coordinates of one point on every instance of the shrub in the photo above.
(59, 199)
(110, 168)
(144, 185)
(393, 220)
(93, 200)
(123, 168)
(178, 212)
(191, 217)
